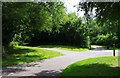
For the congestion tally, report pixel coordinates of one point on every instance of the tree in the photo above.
(104, 12)
(20, 19)
(12, 20)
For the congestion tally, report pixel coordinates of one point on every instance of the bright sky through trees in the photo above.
(70, 7)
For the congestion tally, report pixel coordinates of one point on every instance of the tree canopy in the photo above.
(49, 23)
(106, 12)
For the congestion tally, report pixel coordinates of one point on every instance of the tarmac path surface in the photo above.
(54, 66)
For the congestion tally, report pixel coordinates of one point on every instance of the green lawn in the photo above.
(101, 66)
(110, 48)
(64, 47)
(24, 54)
(96, 46)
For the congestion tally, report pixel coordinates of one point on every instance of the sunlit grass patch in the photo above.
(24, 54)
(64, 47)
(101, 66)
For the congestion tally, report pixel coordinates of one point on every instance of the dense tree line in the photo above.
(73, 32)
(107, 15)
(48, 23)
(42, 23)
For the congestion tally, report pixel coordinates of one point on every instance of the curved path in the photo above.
(53, 66)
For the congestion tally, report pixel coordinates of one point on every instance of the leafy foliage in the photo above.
(106, 12)
(48, 23)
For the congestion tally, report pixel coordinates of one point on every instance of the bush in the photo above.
(105, 40)
(14, 44)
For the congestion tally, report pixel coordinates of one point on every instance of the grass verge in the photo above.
(105, 47)
(101, 66)
(24, 54)
(64, 47)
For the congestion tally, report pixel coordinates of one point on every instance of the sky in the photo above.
(70, 6)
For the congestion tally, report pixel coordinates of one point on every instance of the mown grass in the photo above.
(64, 47)
(97, 46)
(105, 47)
(24, 54)
(101, 66)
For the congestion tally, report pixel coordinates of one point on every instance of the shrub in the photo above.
(14, 43)
(106, 40)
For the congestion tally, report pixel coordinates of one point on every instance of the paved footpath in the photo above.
(53, 66)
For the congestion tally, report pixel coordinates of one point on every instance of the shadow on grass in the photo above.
(19, 56)
(59, 46)
(91, 70)
(14, 50)
(13, 60)
(22, 50)
(23, 55)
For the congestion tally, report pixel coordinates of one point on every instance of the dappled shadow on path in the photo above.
(48, 73)
(7, 71)
(39, 77)
(19, 68)
(31, 64)
(95, 69)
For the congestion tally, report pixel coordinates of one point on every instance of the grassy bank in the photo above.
(24, 54)
(101, 66)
